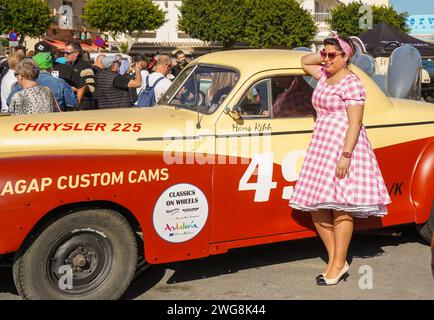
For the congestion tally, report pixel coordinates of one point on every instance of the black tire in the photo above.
(426, 230)
(97, 247)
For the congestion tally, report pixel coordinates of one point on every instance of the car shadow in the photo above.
(7, 282)
(364, 245)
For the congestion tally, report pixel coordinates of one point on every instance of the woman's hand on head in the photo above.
(311, 64)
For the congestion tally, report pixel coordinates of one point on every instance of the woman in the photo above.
(33, 98)
(340, 177)
(221, 85)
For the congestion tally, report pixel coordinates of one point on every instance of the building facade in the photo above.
(169, 38)
(68, 23)
(320, 10)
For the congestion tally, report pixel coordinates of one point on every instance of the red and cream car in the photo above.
(84, 196)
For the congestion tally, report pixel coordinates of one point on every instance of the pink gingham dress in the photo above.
(364, 192)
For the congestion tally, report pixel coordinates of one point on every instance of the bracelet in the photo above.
(346, 154)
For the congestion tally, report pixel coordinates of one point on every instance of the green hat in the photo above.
(44, 60)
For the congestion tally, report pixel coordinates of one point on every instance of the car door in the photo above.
(260, 155)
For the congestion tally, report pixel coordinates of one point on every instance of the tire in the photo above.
(201, 100)
(97, 247)
(426, 230)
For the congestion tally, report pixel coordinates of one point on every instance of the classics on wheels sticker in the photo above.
(180, 213)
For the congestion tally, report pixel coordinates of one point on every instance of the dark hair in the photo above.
(334, 42)
(139, 57)
(21, 47)
(57, 53)
(177, 53)
(76, 46)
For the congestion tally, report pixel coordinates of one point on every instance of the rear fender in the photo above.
(422, 189)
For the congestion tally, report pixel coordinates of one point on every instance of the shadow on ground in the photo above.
(6, 281)
(364, 245)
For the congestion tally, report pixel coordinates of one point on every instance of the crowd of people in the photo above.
(47, 79)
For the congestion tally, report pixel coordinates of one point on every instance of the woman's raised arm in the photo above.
(311, 64)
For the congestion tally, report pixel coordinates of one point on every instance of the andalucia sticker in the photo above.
(180, 213)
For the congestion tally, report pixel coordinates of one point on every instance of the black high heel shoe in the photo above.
(320, 276)
(343, 275)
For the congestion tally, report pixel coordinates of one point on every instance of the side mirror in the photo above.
(234, 113)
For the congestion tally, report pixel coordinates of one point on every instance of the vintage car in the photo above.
(85, 196)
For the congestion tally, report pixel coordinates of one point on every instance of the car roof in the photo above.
(265, 58)
(252, 61)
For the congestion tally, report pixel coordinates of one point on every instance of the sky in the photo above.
(414, 6)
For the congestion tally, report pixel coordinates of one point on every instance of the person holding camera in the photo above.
(143, 62)
(113, 88)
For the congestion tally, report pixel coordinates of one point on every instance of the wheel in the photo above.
(90, 254)
(426, 230)
(201, 99)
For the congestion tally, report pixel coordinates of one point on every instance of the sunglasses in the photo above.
(330, 55)
(68, 52)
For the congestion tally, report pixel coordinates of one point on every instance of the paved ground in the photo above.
(401, 268)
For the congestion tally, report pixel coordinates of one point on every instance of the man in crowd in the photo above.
(141, 59)
(112, 89)
(63, 70)
(181, 63)
(20, 50)
(74, 55)
(97, 67)
(162, 69)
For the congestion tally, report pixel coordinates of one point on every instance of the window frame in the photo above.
(270, 97)
(269, 101)
(196, 66)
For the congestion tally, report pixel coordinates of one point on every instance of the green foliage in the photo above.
(261, 23)
(27, 17)
(390, 16)
(217, 20)
(123, 47)
(345, 18)
(278, 23)
(126, 16)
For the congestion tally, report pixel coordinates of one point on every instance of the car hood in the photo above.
(122, 129)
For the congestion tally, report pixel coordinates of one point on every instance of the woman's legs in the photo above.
(343, 231)
(323, 221)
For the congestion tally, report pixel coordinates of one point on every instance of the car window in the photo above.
(291, 97)
(255, 102)
(174, 87)
(203, 88)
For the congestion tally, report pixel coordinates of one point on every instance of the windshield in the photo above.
(201, 88)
